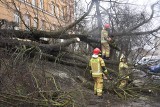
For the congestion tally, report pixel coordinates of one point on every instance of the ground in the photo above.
(76, 82)
(69, 74)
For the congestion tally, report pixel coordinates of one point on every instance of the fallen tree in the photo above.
(49, 50)
(58, 53)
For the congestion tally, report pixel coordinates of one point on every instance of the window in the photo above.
(68, 9)
(68, 13)
(52, 8)
(27, 21)
(43, 25)
(17, 20)
(22, 0)
(33, 2)
(63, 10)
(61, 13)
(41, 4)
(57, 10)
(52, 28)
(35, 23)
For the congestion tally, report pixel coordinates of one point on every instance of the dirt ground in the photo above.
(66, 80)
(113, 101)
(85, 97)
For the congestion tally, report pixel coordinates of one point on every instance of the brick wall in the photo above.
(35, 13)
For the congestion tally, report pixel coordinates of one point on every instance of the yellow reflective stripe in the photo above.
(96, 74)
(103, 41)
(99, 90)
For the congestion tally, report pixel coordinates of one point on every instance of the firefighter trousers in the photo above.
(105, 49)
(98, 85)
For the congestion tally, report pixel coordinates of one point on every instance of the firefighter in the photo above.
(104, 41)
(123, 72)
(98, 70)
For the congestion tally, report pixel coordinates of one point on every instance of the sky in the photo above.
(141, 5)
(143, 2)
(136, 2)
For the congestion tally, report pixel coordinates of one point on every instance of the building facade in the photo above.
(44, 15)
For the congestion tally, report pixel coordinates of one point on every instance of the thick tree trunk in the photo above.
(56, 52)
(44, 47)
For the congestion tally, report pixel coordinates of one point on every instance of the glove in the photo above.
(106, 72)
(127, 77)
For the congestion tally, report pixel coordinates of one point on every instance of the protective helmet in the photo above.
(122, 57)
(106, 26)
(96, 51)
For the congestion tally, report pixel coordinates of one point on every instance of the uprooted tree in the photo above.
(129, 29)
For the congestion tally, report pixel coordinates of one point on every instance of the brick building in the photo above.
(36, 14)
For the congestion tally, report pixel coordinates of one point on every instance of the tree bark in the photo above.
(44, 47)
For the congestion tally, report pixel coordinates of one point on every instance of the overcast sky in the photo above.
(137, 2)
(141, 5)
(143, 2)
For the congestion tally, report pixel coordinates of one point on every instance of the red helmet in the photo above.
(96, 51)
(106, 26)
